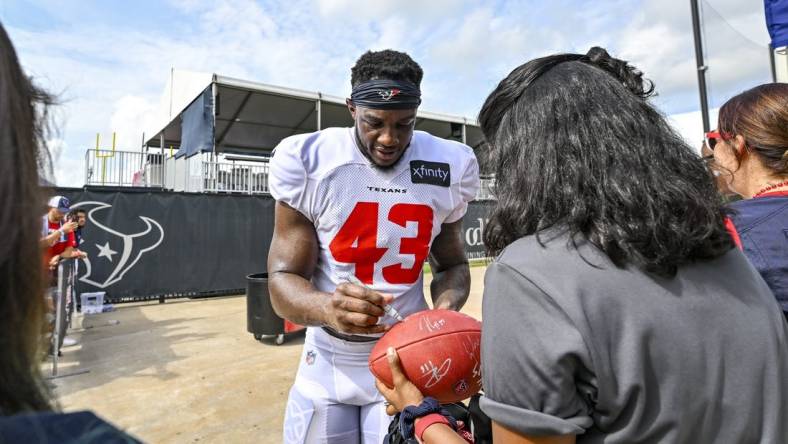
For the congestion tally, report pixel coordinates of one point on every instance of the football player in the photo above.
(368, 204)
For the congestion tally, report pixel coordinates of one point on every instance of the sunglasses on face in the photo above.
(714, 137)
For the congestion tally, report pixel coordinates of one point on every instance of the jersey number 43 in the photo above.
(356, 242)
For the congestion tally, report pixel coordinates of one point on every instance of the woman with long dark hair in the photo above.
(617, 309)
(27, 412)
(22, 303)
(751, 150)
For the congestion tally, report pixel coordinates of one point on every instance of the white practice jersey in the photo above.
(375, 223)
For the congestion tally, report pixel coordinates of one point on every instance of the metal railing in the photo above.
(194, 174)
(64, 297)
(233, 177)
(124, 168)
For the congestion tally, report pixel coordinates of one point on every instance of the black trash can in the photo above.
(260, 316)
(261, 320)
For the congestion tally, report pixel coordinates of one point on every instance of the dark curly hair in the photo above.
(575, 145)
(386, 64)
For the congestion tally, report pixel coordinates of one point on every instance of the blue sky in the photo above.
(109, 61)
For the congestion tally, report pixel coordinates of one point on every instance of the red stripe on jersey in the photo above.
(732, 230)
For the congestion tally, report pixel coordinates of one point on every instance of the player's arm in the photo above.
(451, 277)
(291, 262)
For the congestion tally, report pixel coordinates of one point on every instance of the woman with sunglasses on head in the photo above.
(751, 149)
(617, 309)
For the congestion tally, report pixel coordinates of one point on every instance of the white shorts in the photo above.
(334, 399)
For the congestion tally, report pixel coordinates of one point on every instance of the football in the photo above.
(438, 352)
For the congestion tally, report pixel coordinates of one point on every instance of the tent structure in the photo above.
(777, 21)
(239, 117)
(777, 25)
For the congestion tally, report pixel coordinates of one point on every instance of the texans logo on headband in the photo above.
(388, 95)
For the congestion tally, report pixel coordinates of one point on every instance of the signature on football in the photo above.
(434, 373)
(426, 324)
(472, 348)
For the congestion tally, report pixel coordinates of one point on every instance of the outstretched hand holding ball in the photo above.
(435, 353)
(404, 392)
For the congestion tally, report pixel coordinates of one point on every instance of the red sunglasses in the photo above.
(712, 137)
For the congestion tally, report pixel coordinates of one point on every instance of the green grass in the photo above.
(473, 263)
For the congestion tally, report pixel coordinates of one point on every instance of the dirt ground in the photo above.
(187, 371)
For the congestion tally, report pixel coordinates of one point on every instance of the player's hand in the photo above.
(53, 262)
(404, 392)
(81, 254)
(356, 310)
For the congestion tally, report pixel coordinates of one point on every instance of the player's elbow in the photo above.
(277, 295)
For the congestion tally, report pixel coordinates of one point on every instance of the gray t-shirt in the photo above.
(621, 356)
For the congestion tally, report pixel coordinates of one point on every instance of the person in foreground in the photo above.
(617, 309)
(751, 149)
(27, 412)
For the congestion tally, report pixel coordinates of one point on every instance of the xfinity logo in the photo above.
(432, 173)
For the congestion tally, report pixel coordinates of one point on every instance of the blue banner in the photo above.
(197, 126)
(777, 21)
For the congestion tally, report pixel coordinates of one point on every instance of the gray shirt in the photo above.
(621, 356)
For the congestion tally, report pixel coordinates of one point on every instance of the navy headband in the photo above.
(386, 94)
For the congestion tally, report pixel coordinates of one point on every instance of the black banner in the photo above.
(150, 244)
(473, 226)
(145, 244)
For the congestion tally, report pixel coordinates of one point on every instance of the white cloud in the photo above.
(113, 82)
(417, 12)
(132, 113)
(68, 170)
(659, 41)
(690, 126)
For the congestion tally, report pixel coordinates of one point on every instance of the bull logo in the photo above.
(390, 94)
(122, 251)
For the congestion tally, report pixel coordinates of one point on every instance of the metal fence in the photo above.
(124, 168)
(233, 177)
(198, 174)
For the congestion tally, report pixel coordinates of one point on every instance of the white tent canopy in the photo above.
(228, 115)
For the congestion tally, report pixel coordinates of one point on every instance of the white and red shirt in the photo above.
(375, 223)
(66, 239)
